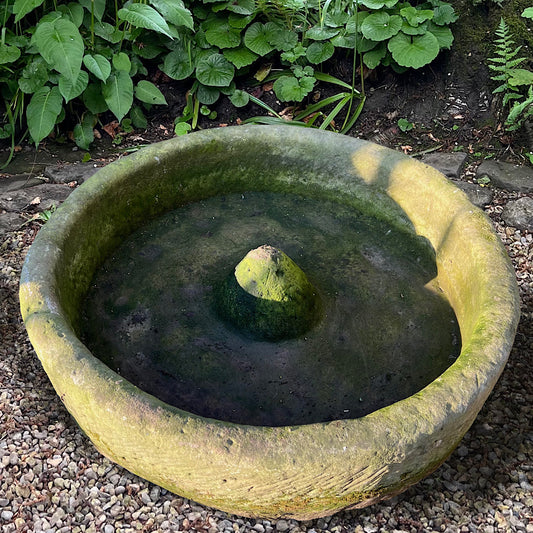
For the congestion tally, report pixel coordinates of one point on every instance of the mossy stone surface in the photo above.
(269, 296)
(300, 471)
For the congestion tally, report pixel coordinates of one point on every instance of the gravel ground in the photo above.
(53, 480)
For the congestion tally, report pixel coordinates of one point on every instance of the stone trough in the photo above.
(188, 360)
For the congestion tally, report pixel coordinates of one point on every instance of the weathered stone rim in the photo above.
(302, 471)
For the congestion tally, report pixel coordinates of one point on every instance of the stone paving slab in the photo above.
(507, 176)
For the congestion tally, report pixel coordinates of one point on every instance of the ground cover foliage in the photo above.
(64, 64)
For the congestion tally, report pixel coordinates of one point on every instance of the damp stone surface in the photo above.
(375, 326)
(272, 462)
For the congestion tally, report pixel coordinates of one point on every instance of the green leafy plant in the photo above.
(70, 64)
(512, 79)
(405, 125)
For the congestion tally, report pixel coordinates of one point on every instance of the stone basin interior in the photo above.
(385, 331)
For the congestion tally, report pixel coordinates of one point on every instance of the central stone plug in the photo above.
(269, 296)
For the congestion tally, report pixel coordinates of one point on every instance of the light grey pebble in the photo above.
(6, 515)
(108, 528)
(282, 525)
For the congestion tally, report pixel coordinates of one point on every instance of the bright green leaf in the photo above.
(381, 26)
(444, 14)
(318, 52)
(373, 57)
(207, 95)
(240, 57)
(215, 70)
(283, 39)
(70, 90)
(242, 7)
(94, 6)
(94, 100)
(182, 128)
(291, 89)
(239, 21)
(118, 93)
(443, 34)
(319, 33)
(23, 7)
(175, 12)
(414, 51)
(147, 92)
(73, 11)
(178, 64)
(405, 125)
(8, 54)
(42, 112)
(521, 76)
(34, 76)
(416, 16)
(257, 39)
(61, 45)
(121, 61)
(378, 4)
(84, 132)
(144, 16)
(293, 55)
(98, 65)
(220, 33)
(416, 30)
(528, 13)
(138, 118)
(239, 98)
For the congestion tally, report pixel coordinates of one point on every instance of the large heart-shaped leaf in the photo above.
(240, 57)
(444, 14)
(23, 7)
(147, 92)
(414, 50)
(257, 39)
(207, 95)
(72, 11)
(321, 33)
(83, 132)
(416, 16)
(292, 89)
(178, 64)
(443, 34)
(373, 57)
(96, 7)
(318, 52)
(61, 45)
(175, 12)
(118, 93)
(8, 54)
(215, 71)
(42, 112)
(242, 7)
(282, 38)
(381, 26)
(143, 16)
(378, 4)
(34, 76)
(94, 99)
(219, 33)
(71, 90)
(121, 61)
(97, 65)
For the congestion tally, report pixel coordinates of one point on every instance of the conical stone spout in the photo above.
(269, 296)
